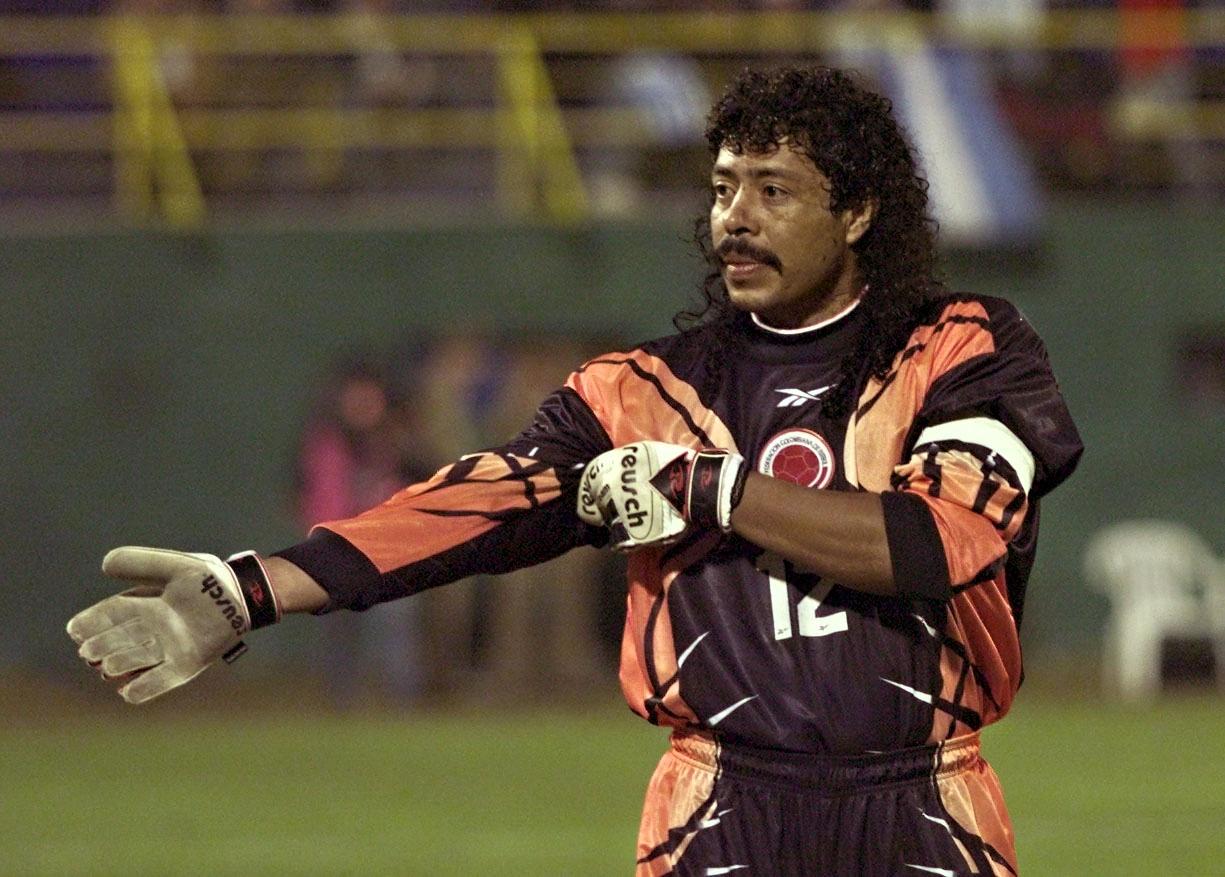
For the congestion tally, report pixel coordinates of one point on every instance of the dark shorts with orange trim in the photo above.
(713, 809)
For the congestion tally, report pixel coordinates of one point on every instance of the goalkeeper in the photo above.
(827, 483)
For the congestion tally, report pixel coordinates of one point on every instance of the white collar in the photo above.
(821, 325)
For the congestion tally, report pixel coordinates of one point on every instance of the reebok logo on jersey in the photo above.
(794, 398)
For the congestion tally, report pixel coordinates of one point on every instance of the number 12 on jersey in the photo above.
(810, 624)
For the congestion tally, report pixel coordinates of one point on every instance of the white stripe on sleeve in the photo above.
(990, 434)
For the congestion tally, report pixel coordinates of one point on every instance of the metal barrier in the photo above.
(152, 163)
(153, 140)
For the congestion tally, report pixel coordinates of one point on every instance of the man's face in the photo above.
(786, 257)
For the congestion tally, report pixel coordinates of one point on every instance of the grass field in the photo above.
(179, 788)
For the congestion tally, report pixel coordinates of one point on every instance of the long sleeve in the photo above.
(983, 432)
(962, 441)
(489, 512)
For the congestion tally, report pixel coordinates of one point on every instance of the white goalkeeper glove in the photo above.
(649, 492)
(181, 614)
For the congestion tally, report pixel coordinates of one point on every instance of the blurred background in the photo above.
(264, 261)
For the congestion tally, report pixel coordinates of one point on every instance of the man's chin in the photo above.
(768, 309)
(748, 299)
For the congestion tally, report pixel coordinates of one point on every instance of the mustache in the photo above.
(739, 247)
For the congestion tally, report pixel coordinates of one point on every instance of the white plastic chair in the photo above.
(1163, 581)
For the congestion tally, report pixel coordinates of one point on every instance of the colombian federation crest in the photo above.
(800, 456)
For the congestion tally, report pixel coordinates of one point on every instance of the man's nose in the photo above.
(739, 217)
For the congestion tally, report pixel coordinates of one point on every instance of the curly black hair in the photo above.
(850, 134)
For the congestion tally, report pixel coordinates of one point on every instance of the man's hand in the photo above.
(182, 613)
(647, 493)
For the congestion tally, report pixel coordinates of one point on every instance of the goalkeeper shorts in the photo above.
(713, 808)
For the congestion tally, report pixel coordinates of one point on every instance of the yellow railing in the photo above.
(153, 166)
(153, 140)
(536, 153)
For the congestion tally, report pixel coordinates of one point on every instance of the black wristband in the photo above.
(702, 508)
(257, 593)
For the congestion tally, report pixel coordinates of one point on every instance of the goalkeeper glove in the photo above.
(181, 614)
(648, 492)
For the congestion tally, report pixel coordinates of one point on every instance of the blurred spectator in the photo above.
(459, 378)
(540, 623)
(674, 98)
(384, 75)
(515, 636)
(671, 95)
(176, 62)
(358, 448)
(1015, 23)
(387, 81)
(984, 193)
(1157, 88)
(256, 161)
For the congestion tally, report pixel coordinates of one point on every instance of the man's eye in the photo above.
(722, 190)
(772, 192)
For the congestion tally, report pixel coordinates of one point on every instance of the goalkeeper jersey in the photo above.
(961, 438)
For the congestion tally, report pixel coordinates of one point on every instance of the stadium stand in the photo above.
(181, 111)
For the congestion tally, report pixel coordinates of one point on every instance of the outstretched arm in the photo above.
(492, 511)
(296, 590)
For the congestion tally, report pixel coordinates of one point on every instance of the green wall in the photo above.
(153, 385)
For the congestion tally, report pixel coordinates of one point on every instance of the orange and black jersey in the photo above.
(961, 438)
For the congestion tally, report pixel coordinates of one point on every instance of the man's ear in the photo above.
(859, 220)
